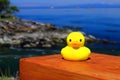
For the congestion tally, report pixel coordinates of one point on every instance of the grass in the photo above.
(6, 75)
(9, 19)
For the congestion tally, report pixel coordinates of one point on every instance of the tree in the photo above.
(6, 8)
(12, 9)
(4, 4)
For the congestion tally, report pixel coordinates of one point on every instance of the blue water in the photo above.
(98, 22)
(103, 23)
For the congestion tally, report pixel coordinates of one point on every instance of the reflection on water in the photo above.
(9, 58)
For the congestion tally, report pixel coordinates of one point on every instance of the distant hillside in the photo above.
(76, 6)
(92, 6)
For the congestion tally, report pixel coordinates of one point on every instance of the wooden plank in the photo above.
(53, 67)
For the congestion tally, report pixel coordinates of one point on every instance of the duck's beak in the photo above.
(75, 45)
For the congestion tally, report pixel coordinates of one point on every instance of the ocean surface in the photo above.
(103, 23)
(100, 22)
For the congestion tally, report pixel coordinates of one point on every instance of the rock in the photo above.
(74, 28)
(1, 41)
(47, 45)
(33, 45)
(1, 32)
(105, 41)
(6, 15)
(91, 39)
(15, 42)
(26, 34)
(27, 46)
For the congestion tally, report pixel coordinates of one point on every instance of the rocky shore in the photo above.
(28, 34)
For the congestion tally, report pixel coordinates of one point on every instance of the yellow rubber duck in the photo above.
(75, 49)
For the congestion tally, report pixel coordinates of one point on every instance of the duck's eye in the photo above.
(80, 40)
(70, 40)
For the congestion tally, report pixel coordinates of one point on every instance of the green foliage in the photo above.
(14, 9)
(6, 75)
(9, 19)
(4, 4)
(6, 8)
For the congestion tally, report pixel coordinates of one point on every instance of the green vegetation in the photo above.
(6, 10)
(6, 75)
(8, 18)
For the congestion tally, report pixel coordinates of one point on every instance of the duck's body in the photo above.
(75, 50)
(70, 53)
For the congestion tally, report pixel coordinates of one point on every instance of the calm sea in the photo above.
(100, 22)
(103, 23)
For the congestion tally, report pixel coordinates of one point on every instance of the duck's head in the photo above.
(75, 40)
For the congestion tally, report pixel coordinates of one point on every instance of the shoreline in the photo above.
(29, 34)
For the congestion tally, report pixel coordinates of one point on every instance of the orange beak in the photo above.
(75, 45)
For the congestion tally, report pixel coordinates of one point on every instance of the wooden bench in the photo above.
(53, 67)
